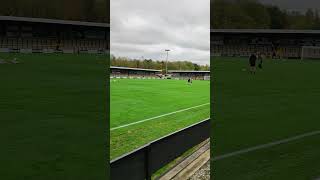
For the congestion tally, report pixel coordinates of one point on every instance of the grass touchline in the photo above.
(156, 117)
(263, 146)
(145, 110)
(257, 120)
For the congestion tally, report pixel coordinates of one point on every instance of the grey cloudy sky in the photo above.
(145, 28)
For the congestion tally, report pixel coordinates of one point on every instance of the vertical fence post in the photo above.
(147, 163)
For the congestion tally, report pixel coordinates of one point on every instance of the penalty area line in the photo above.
(156, 117)
(264, 146)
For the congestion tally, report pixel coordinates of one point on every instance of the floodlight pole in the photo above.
(167, 50)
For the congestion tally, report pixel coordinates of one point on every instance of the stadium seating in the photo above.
(134, 73)
(45, 44)
(244, 46)
(26, 36)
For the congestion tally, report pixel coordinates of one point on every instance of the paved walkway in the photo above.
(194, 165)
(203, 173)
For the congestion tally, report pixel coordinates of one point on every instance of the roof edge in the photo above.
(53, 21)
(138, 69)
(266, 31)
(177, 71)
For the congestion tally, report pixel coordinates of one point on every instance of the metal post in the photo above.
(167, 50)
(147, 163)
(167, 63)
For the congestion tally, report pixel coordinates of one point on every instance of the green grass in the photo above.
(53, 121)
(279, 102)
(133, 100)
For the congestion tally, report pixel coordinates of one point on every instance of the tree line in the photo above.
(246, 14)
(159, 65)
(78, 10)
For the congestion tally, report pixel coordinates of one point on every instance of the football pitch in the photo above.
(266, 126)
(143, 110)
(52, 116)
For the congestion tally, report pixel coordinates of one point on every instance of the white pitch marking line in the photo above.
(156, 117)
(263, 146)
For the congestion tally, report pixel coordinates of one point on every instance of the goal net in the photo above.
(206, 78)
(310, 52)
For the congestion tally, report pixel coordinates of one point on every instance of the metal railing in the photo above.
(141, 163)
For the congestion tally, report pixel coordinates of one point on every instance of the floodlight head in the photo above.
(167, 49)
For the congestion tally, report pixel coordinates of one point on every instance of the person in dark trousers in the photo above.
(252, 63)
(274, 55)
(260, 60)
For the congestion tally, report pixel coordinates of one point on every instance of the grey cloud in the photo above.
(148, 27)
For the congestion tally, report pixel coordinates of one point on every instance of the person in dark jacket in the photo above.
(252, 63)
(260, 60)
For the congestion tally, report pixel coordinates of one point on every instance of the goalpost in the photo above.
(310, 52)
